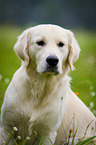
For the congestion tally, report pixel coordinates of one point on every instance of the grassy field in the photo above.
(83, 78)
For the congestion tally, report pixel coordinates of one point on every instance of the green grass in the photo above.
(69, 141)
(83, 78)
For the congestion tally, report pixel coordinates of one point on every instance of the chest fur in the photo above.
(46, 117)
(44, 106)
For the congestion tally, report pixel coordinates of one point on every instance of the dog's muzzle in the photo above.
(52, 64)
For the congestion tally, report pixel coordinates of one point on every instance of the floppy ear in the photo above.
(74, 49)
(22, 45)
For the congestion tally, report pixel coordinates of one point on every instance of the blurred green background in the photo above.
(83, 78)
(79, 16)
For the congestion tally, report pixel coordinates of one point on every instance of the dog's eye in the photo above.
(60, 44)
(40, 43)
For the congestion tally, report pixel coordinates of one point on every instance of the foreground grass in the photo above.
(72, 137)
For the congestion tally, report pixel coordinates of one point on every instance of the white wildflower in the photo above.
(1, 77)
(6, 80)
(91, 105)
(27, 138)
(19, 137)
(15, 128)
(92, 94)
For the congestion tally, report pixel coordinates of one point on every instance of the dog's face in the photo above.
(51, 48)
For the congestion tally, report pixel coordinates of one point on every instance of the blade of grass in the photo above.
(3, 137)
(41, 141)
(74, 137)
(86, 141)
(50, 141)
(69, 137)
(86, 130)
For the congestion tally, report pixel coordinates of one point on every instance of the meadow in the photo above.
(83, 78)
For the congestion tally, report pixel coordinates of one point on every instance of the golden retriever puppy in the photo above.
(39, 102)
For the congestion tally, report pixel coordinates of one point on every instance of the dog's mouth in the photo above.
(51, 70)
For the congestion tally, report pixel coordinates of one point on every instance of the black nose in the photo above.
(52, 60)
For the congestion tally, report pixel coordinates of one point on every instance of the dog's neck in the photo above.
(45, 85)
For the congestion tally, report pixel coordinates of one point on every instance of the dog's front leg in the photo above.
(51, 139)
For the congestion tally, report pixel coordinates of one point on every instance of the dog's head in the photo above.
(49, 47)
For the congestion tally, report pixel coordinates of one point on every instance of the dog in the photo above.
(39, 102)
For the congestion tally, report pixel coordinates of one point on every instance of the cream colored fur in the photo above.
(43, 102)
